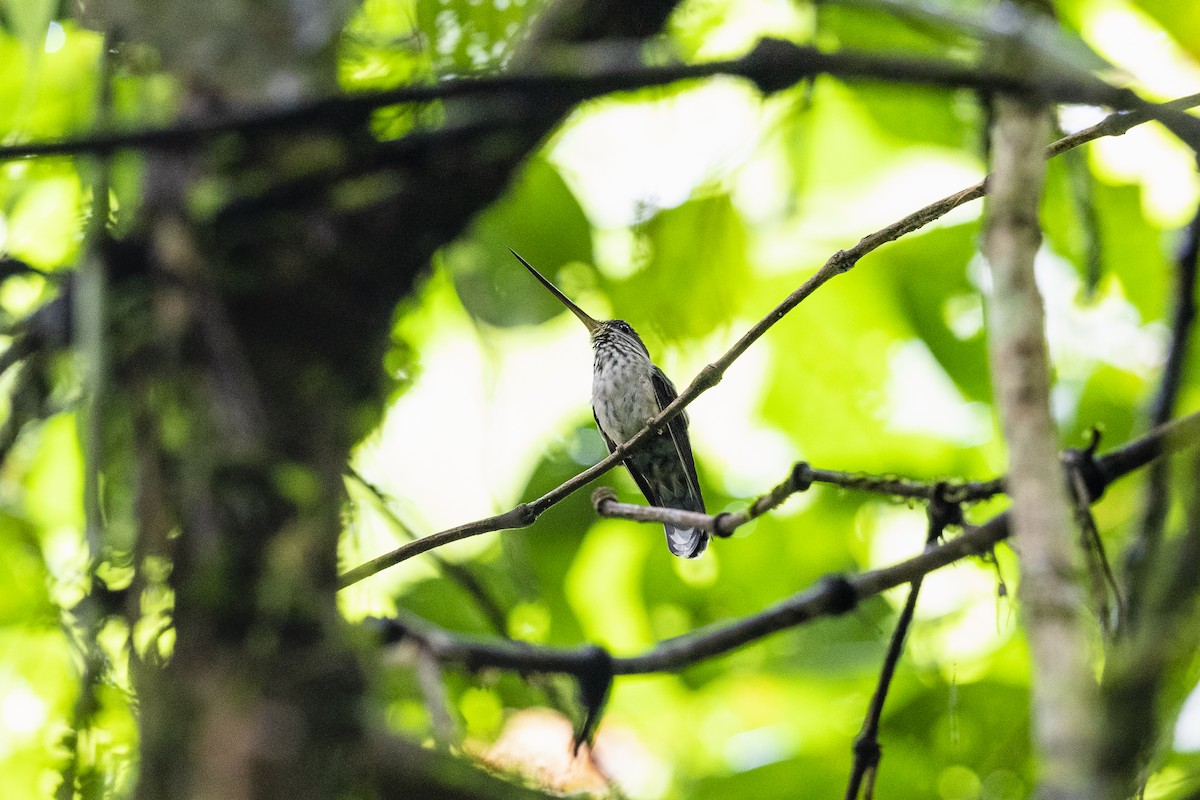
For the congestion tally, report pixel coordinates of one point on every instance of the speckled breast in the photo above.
(622, 393)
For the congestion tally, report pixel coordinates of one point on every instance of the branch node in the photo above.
(708, 377)
(867, 748)
(944, 509)
(802, 476)
(601, 497)
(776, 64)
(724, 525)
(595, 678)
(388, 629)
(525, 515)
(1084, 463)
(840, 594)
(842, 261)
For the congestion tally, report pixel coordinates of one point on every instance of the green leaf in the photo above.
(931, 115)
(539, 218)
(1112, 400)
(1132, 247)
(929, 275)
(472, 36)
(872, 26)
(23, 572)
(1179, 19)
(695, 272)
(29, 19)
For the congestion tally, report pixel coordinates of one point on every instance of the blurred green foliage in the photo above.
(884, 370)
(540, 219)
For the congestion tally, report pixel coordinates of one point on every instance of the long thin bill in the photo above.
(588, 322)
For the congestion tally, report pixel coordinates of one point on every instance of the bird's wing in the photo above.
(647, 489)
(664, 390)
(603, 435)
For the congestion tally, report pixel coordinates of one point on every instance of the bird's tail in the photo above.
(668, 482)
(686, 542)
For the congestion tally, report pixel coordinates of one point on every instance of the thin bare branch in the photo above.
(1107, 600)
(437, 701)
(1138, 667)
(866, 748)
(840, 262)
(802, 476)
(489, 607)
(394, 768)
(831, 596)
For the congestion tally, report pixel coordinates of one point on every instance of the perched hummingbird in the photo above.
(627, 390)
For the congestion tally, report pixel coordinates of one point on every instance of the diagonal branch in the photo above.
(489, 607)
(525, 514)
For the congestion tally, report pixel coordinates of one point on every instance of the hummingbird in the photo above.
(627, 390)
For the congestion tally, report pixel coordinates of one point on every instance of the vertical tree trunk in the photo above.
(248, 350)
(1064, 690)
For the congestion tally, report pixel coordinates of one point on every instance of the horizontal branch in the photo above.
(833, 595)
(773, 65)
(802, 476)
(840, 262)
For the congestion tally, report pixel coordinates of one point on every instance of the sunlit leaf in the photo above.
(681, 289)
(540, 219)
(29, 19)
(941, 303)
(467, 36)
(1178, 18)
(1133, 248)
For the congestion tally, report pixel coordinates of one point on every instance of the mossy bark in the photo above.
(247, 359)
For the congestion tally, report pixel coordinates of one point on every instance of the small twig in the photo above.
(832, 596)
(866, 750)
(604, 499)
(1102, 582)
(1182, 318)
(520, 517)
(1117, 124)
(1143, 553)
(437, 703)
(950, 491)
(840, 262)
(489, 607)
(802, 476)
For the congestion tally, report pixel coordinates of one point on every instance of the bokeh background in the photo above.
(689, 211)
